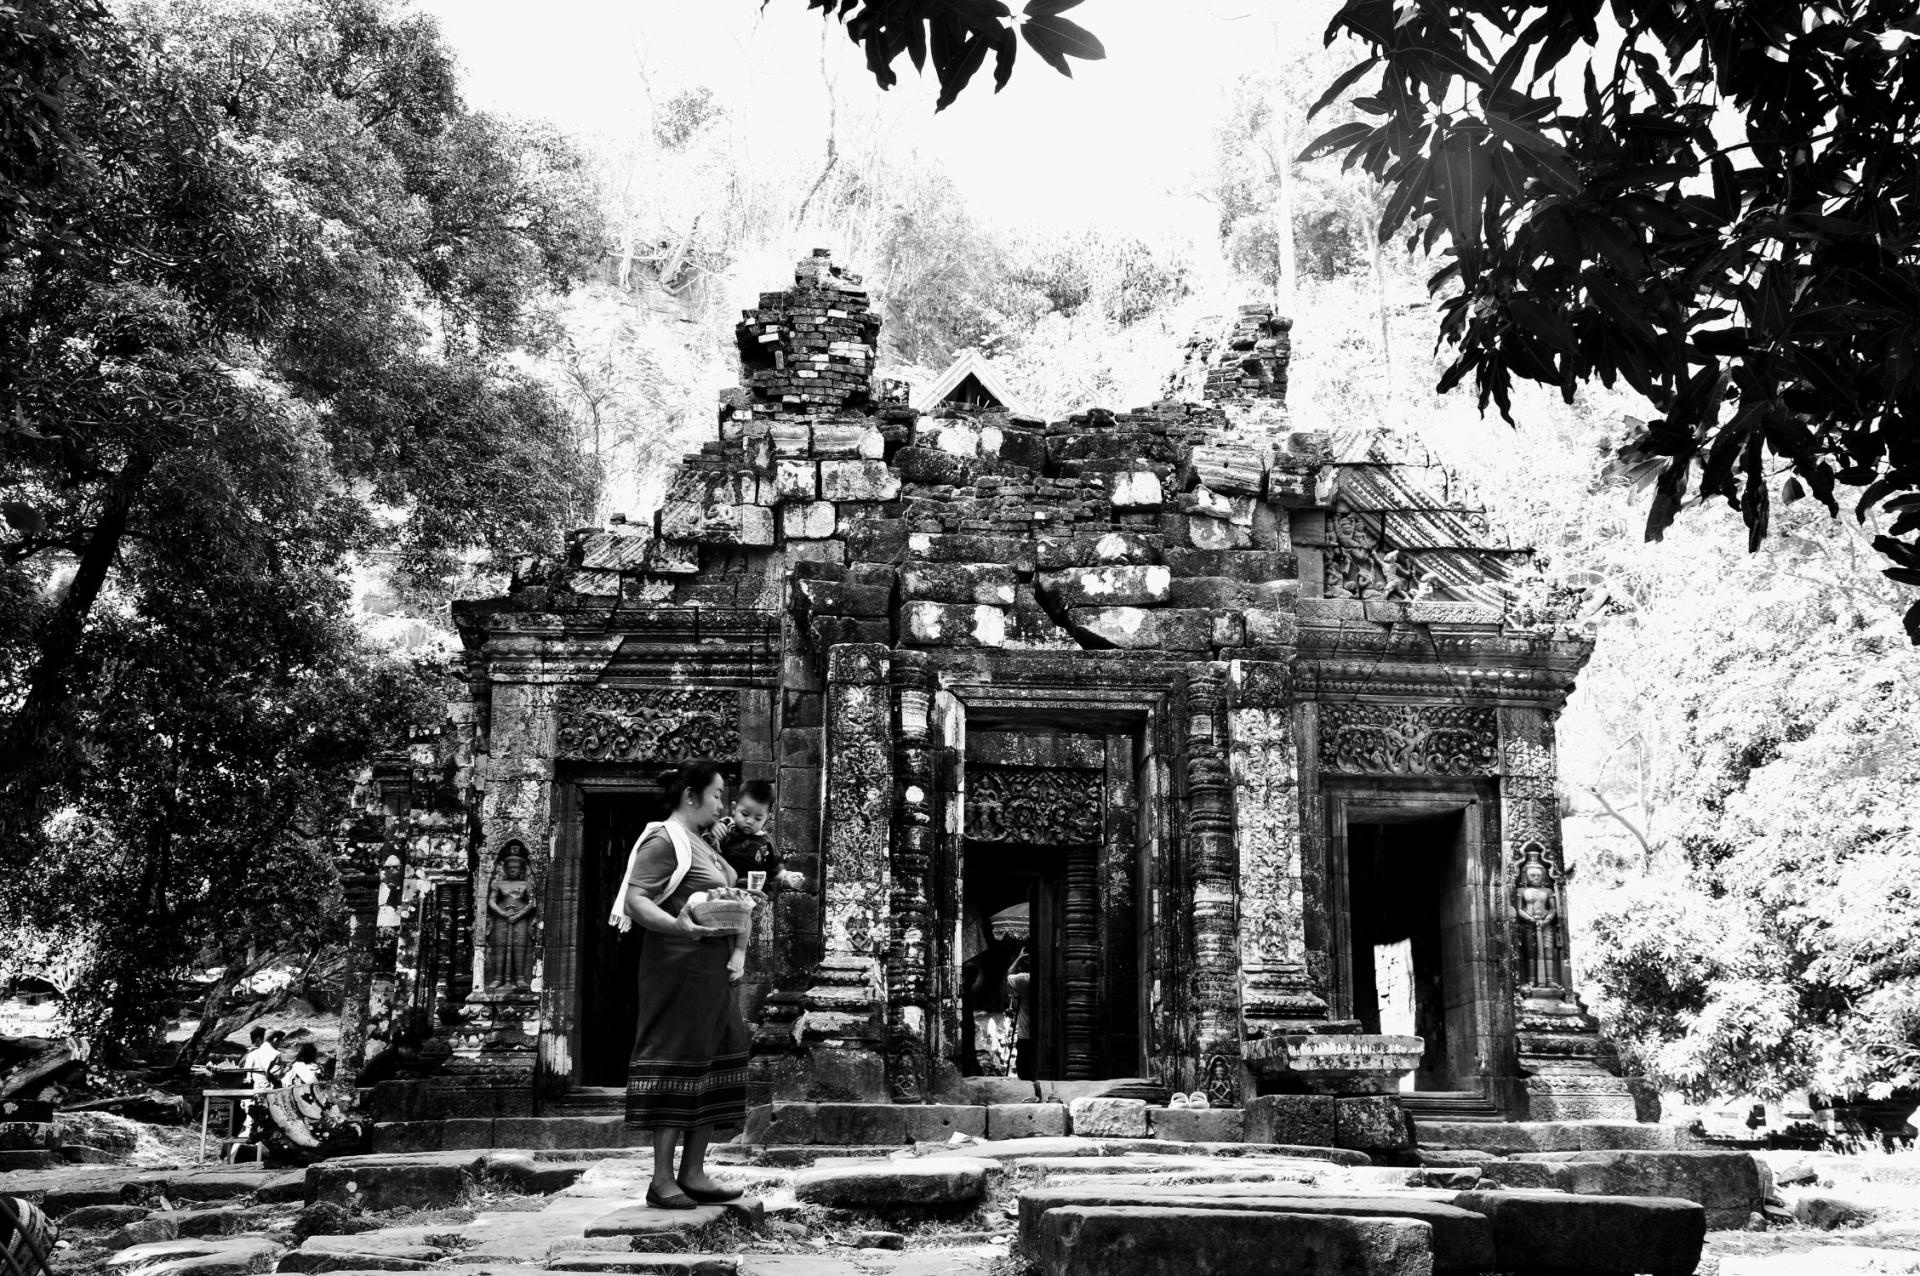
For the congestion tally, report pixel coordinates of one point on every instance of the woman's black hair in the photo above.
(693, 777)
(308, 1053)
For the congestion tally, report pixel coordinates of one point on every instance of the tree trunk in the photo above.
(1285, 288)
(31, 750)
(1378, 264)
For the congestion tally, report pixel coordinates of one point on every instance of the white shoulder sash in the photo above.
(682, 864)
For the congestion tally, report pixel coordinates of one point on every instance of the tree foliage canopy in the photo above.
(1715, 204)
(263, 284)
(957, 35)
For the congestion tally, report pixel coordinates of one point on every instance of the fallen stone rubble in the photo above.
(1057, 1206)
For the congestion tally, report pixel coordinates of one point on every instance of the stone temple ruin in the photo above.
(1242, 730)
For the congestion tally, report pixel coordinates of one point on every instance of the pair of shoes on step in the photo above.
(1196, 1101)
(690, 1198)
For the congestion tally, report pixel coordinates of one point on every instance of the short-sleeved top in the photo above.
(655, 864)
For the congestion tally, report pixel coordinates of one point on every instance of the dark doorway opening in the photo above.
(1414, 937)
(1013, 977)
(609, 959)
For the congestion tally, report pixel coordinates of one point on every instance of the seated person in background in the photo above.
(305, 1069)
(261, 1061)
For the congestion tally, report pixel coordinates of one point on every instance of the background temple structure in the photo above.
(1256, 724)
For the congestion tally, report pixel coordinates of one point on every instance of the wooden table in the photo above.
(206, 1107)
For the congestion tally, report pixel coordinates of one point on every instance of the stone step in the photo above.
(1506, 1137)
(1045, 1169)
(1079, 1240)
(1730, 1186)
(1591, 1235)
(642, 1221)
(648, 1264)
(1073, 1145)
(927, 1181)
(1461, 1241)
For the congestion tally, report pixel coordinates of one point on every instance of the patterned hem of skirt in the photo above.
(680, 1094)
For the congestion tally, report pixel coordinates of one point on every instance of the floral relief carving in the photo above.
(1407, 739)
(1033, 807)
(647, 724)
(1266, 799)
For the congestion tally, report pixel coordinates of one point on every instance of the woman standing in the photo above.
(689, 1070)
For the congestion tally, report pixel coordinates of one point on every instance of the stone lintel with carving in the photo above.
(659, 726)
(1407, 739)
(1333, 1063)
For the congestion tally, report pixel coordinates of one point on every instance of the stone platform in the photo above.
(1111, 1206)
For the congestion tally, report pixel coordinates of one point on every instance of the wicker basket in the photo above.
(734, 916)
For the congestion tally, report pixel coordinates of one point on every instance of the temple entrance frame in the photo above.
(1489, 1010)
(1119, 930)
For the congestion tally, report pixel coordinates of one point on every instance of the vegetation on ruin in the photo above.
(1710, 204)
(265, 285)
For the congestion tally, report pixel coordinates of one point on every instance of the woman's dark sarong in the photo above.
(690, 1048)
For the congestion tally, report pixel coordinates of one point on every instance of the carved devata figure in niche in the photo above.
(1536, 906)
(1359, 563)
(510, 910)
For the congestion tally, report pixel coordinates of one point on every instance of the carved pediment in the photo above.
(647, 724)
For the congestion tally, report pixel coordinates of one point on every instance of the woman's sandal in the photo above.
(674, 1202)
(720, 1197)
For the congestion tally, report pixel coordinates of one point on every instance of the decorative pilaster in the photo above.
(845, 1003)
(1275, 989)
(1570, 1071)
(1213, 869)
(909, 955)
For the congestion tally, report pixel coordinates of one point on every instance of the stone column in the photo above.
(1570, 1072)
(1213, 982)
(1275, 990)
(909, 953)
(360, 888)
(497, 1043)
(842, 1025)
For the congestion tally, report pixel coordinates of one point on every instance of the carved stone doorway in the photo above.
(1417, 948)
(1014, 987)
(609, 958)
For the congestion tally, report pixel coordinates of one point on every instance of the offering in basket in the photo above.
(727, 908)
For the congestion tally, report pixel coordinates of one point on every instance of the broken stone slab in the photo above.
(645, 1221)
(880, 1184)
(1108, 1118)
(1123, 586)
(927, 624)
(398, 1242)
(1290, 1118)
(103, 1216)
(1026, 1120)
(647, 1264)
(988, 584)
(1596, 1235)
(385, 1181)
(1829, 1213)
(1507, 1138)
(1174, 1241)
(863, 480)
(1462, 1240)
(1728, 1185)
(1135, 490)
(144, 1231)
(207, 1222)
(225, 1256)
(1371, 1123)
(936, 1122)
(1073, 1145)
(1197, 1125)
(1190, 1169)
(71, 1188)
(303, 1260)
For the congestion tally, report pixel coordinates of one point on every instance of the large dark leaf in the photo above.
(1056, 39)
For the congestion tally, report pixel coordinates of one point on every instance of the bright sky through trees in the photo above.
(1115, 144)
